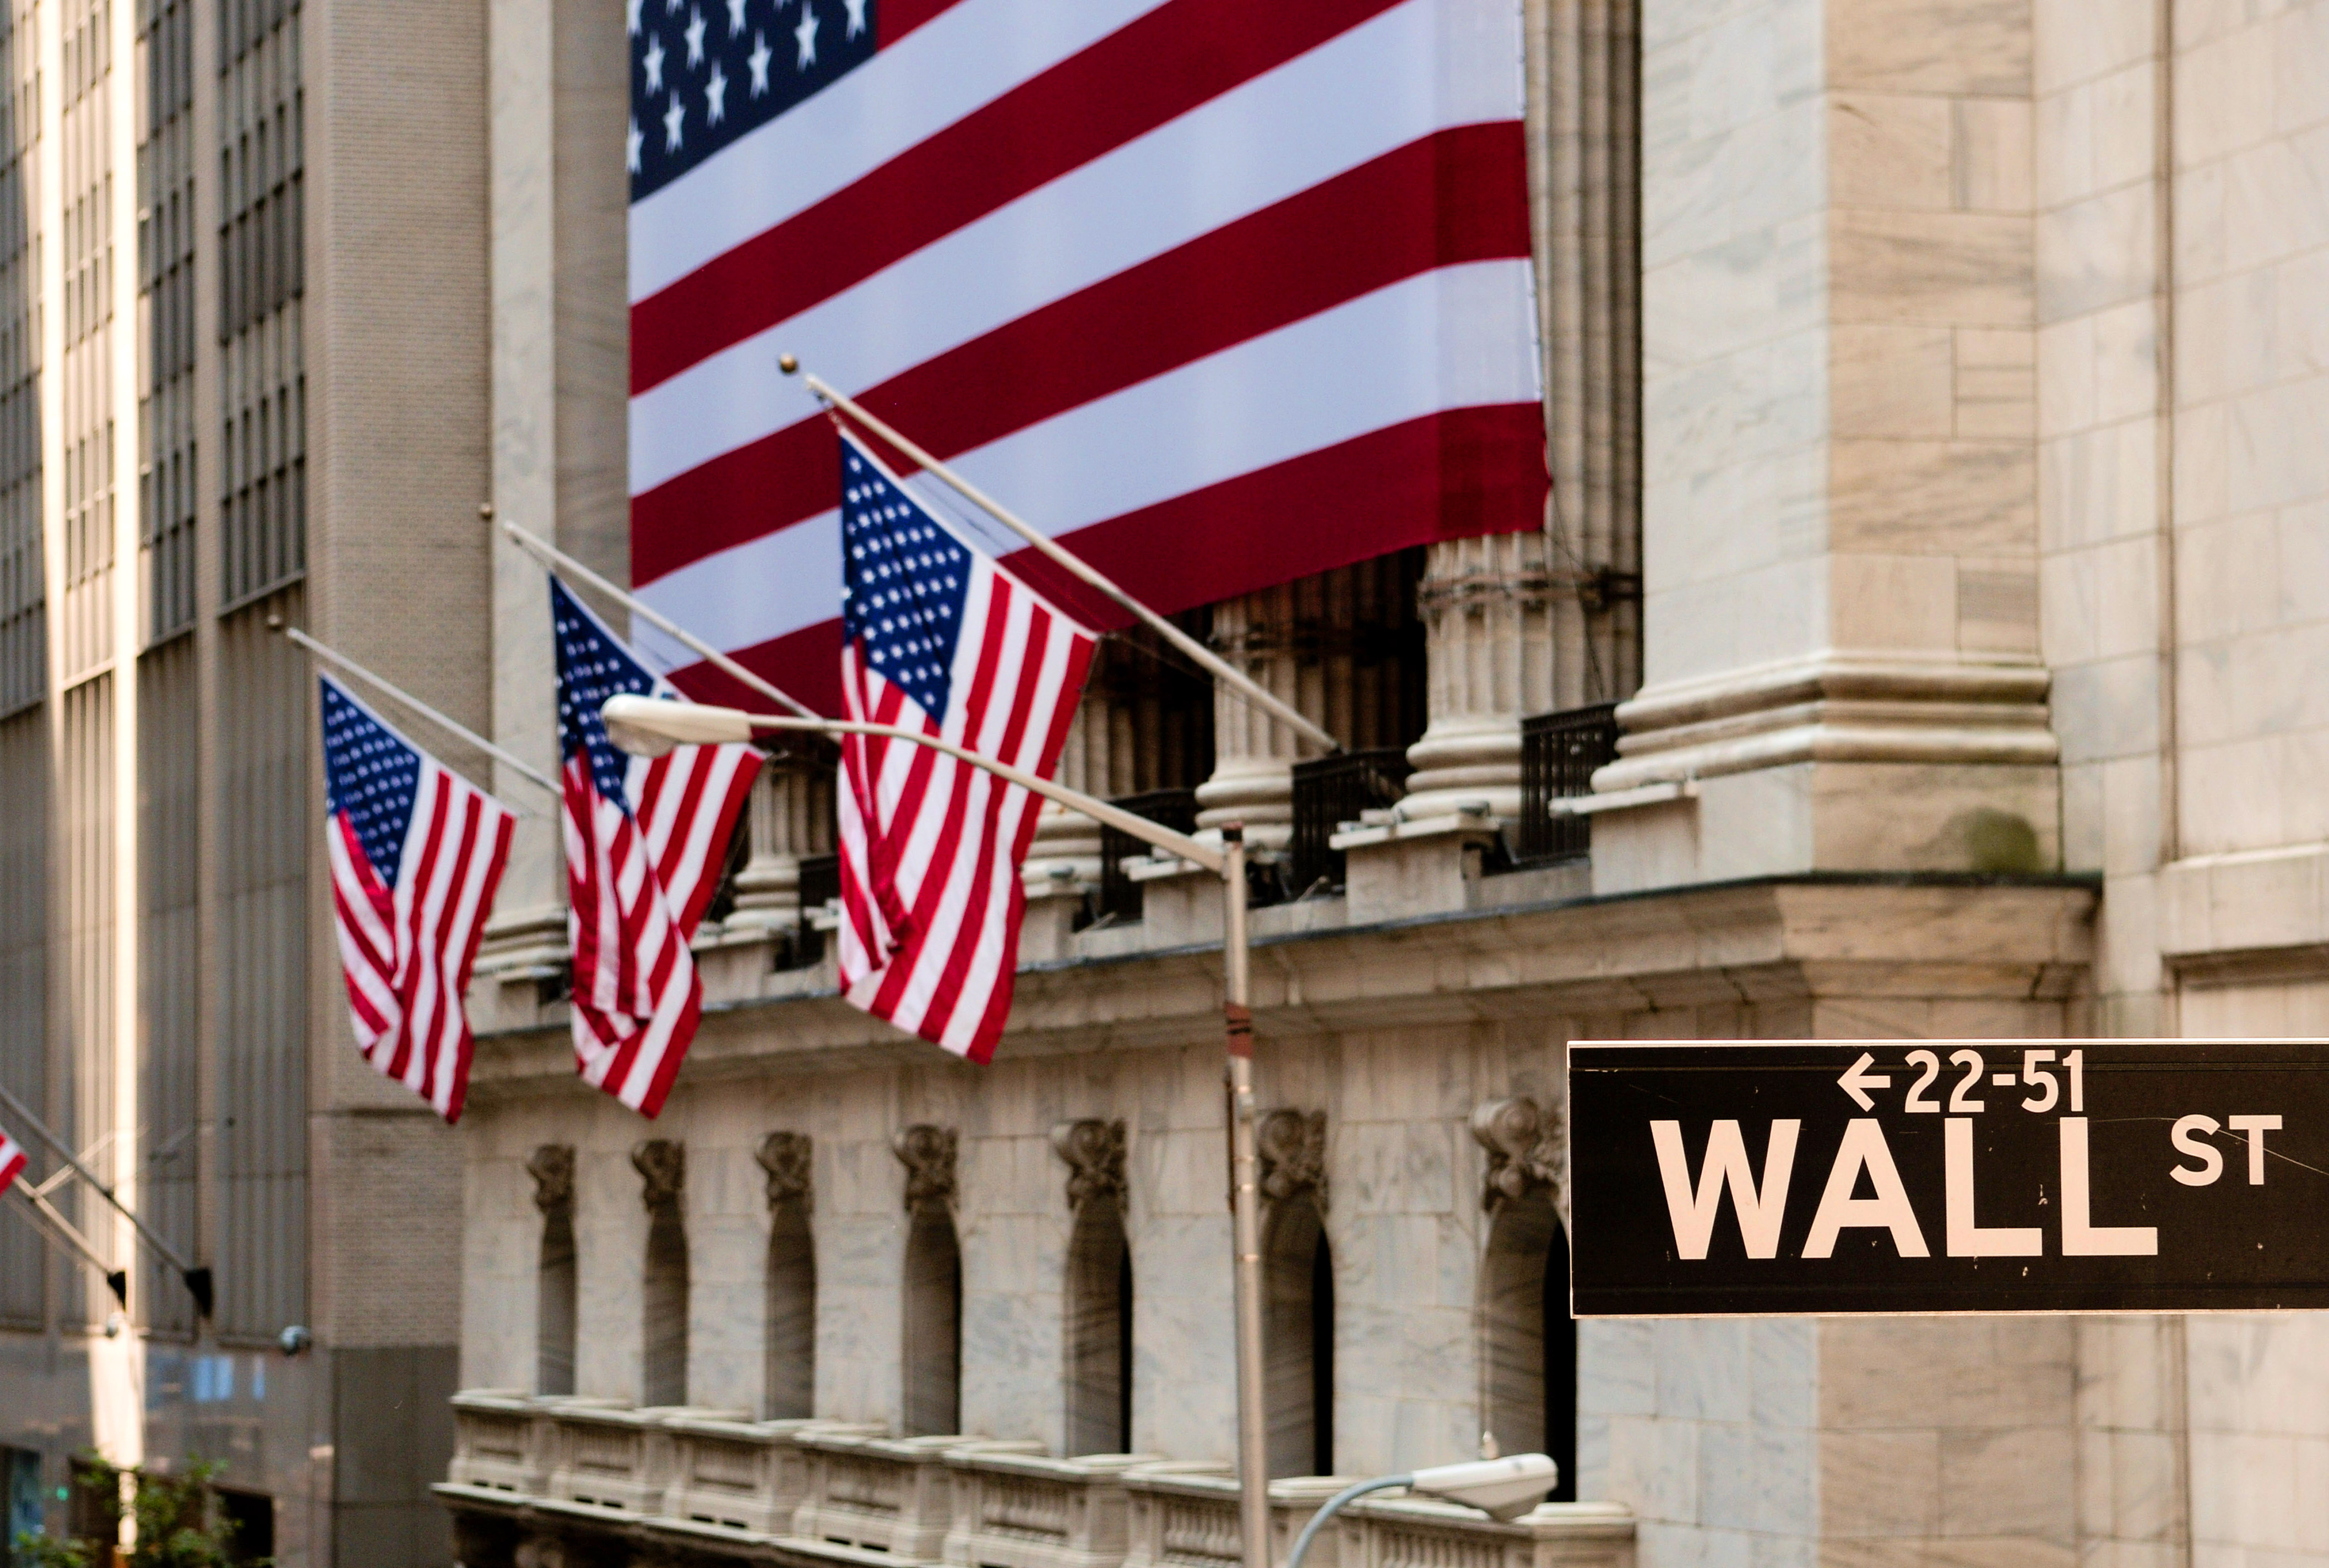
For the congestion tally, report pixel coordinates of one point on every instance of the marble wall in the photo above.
(1404, 1219)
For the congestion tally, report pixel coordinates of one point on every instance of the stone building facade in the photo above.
(245, 381)
(1932, 401)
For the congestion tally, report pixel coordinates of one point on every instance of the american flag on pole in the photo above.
(941, 640)
(1221, 293)
(12, 1163)
(416, 853)
(645, 842)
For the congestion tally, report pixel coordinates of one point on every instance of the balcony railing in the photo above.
(1559, 753)
(1119, 895)
(711, 1485)
(1330, 791)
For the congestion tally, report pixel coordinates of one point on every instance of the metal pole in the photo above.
(1060, 555)
(549, 555)
(115, 1280)
(1335, 1505)
(1245, 1206)
(40, 1130)
(333, 656)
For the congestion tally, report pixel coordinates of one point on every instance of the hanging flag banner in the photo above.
(1949, 1176)
(646, 840)
(1219, 294)
(943, 641)
(416, 853)
(12, 1163)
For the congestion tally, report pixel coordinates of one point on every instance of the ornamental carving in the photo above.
(1293, 1147)
(662, 1165)
(928, 1154)
(1524, 1143)
(553, 1169)
(1094, 1151)
(785, 1156)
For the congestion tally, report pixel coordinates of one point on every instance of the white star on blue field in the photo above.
(705, 71)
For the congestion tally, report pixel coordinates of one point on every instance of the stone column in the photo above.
(791, 818)
(1339, 646)
(1486, 605)
(1840, 487)
(1525, 623)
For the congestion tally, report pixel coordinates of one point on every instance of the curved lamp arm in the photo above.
(652, 726)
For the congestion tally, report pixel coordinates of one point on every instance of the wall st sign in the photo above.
(1956, 1176)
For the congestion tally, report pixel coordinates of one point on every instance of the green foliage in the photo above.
(178, 1522)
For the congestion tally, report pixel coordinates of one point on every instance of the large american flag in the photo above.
(939, 639)
(416, 853)
(1219, 292)
(646, 843)
(12, 1163)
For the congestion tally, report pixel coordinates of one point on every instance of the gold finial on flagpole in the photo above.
(788, 364)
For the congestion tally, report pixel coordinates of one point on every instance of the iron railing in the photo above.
(1119, 895)
(1559, 753)
(1330, 791)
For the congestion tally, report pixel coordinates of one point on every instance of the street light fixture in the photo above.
(652, 727)
(1502, 1488)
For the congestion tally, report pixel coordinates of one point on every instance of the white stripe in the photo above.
(1351, 100)
(453, 945)
(419, 909)
(1465, 329)
(969, 805)
(968, 55)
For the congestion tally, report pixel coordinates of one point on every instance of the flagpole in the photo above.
(115, 1280)
(550, 555)
(1060, 555)
(333, 656)
(650, 727)
(198, 1279)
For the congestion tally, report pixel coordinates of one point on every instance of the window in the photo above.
(663, 1296)
(553, 1169)
(1298, 1337)
(789, 1379)
(20, 1474)
(250, 1517)
(1530, 1340)
(933, 1323)
(1099, 1330)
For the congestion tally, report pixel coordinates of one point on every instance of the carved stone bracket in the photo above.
(928, 1154)
(553, 1169)
(785, 1156)
(1293, 1147)
(1094, 1150)
(1524, 1143)
(662, 1165)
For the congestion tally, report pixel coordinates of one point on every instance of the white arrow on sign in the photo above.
(1858, 1080)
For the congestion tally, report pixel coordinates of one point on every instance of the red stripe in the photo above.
(408, 976)
(1450, 199)
(1137, 78)
(1451, 476)
(893, 19)
(464, 1046)
(962, 938)
(683, 1031)
(693, 765)
(911, 805)
(449, 1022)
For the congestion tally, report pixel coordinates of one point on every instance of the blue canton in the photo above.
(592, 667)
(905, 580)
(371, 774)
(705, 71)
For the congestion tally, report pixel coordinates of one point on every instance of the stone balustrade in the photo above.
(596, 1478)
(1021, 1510)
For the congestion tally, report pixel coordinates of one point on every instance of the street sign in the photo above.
(1949, 1176)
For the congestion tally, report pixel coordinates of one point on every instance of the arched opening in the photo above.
(1297, 1332)
(933, 1324)
(663, 1303)
(1100, 1331)
(791, 1372)
(554, 1285)
(1529, 1341)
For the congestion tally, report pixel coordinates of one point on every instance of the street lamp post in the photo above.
(650, 727)
(1502, 1489)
